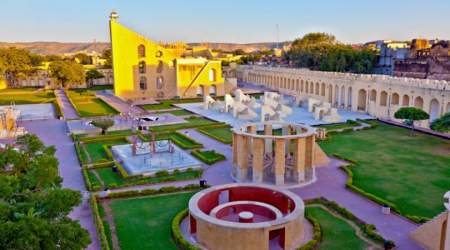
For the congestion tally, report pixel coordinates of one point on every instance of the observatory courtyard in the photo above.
(178, 154)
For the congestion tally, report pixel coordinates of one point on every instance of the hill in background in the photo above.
(59, 48)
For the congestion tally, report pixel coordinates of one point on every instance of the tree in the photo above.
(93, 74)
(16, 64)
(67, 73)
(107, 54)
(321, 51)
(34, 208)
(410, 115)
(104, 124)
(441, 124)
(82, 58)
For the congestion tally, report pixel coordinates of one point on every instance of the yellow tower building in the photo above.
(146, 70)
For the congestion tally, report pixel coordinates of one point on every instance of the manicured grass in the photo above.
(177, 112)
(26, 96)
(97, 152)
(167, 104)
(208, 156)
(88, 105)
(114, 180)
(145, 223)
(192, 122)
(222, 134)
(411, 172)
(337, 233)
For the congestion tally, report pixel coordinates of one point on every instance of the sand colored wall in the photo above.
(430, 234)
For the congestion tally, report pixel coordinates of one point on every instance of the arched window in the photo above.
(383, 98)
(142, 67)
(418, 102)
(143, 83)
(160, 67)
(395, 99)
(159, 82)
(212, 75)
(141, 50)
(373, 95)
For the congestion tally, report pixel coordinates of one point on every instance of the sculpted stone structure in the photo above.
(288, 158)
(246, 216)
(435, 234)
(378, 95)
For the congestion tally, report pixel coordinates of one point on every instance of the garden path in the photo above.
(66, 106)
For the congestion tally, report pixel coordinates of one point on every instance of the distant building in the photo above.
(390, 52)
(426, 60)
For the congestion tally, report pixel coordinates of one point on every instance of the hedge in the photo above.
(177, 236)
(184, 142)
(99, 224)
(202, 155)
(58, 110)
(376, 199)
(145, 192)
(317, 236)
(101, 138)
(87, 181)
(81, 156)
(368, 229)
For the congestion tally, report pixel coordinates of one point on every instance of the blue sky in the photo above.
(240, 21)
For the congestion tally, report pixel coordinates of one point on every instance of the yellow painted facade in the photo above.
(144, 69)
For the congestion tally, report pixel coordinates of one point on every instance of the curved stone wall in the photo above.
(246, 216)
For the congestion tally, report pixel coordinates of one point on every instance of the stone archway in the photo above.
(383, 98)
(373, 95)
(362, 100)
(405, 101)
(342, 99)
(434, 109)
(336, 95)
(418, 102)
(395, 99)
(349, 98)
(330, 94)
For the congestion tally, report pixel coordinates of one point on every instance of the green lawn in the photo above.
(145, 223)
(412, 172)
(177, 112)
(222, 134)
(192, 122)
(97, 152)
(25, 96)
(88, 105)
(114, 180)
(167, 104)
(337, 233)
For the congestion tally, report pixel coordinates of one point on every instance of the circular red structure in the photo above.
(246, 216)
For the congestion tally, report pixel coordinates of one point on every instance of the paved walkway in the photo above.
(53, 132)
(66, 106)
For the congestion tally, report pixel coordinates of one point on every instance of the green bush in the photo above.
(99, 223)
(353, 123)
(162, 173)
(123, 173)
(145, 192)
(209, 157)
(184, 141)
(87, 181)
(317, 235)
(177, 236)
(205, 131)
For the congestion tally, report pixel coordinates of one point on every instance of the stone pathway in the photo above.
(66, 106)
(53, 132)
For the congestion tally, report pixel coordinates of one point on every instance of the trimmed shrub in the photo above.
(317, 235)
(177, 236)
(99, 223)
(184, 142)
(209, 157)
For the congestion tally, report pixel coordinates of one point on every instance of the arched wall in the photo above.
(385, 94)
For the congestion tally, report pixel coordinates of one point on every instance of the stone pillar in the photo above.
(309, 152)
(268, 143)
(300, 159)
(242, 150)
(235, 142)
(285, 130)
(279, 161)
(258, 159)
(251, 130)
